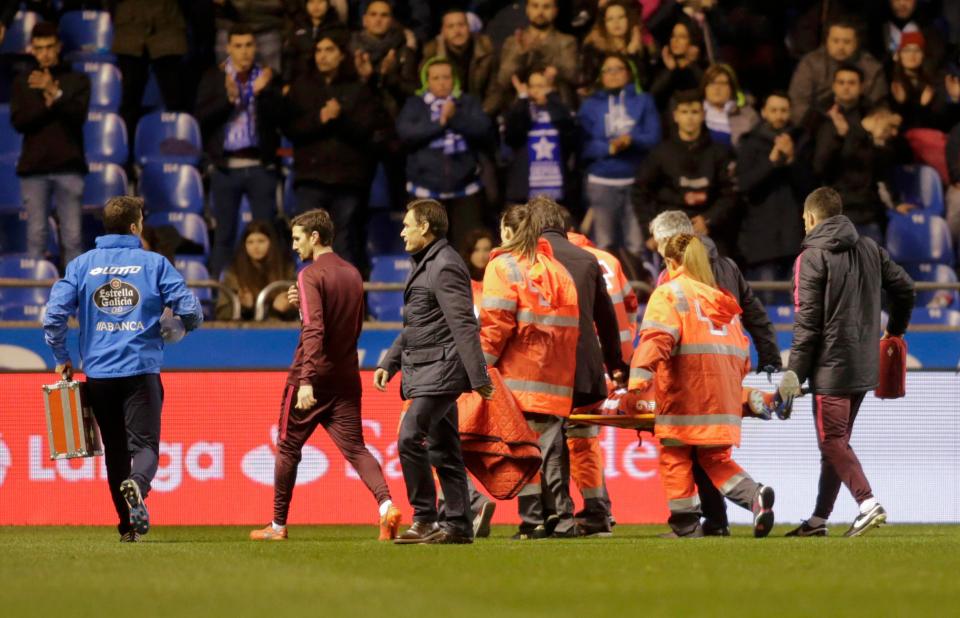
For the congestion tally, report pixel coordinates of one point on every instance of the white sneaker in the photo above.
(874, 518)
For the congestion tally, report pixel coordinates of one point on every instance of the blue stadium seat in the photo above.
(189, 225)
(167, 137)
(10, 140)
(938, 273)
(87, 35)
(103, 181)
(289, 197)
(105, 138)
(780, 314)
(17, 312)
(91, 226)
(920, 185)
(388, 306)
(13, 233)
(195, 270)
(106, 85)
(941, 317)
(181, 262)
(919, 238)
(17, 39)
(171, 187)
(10, 200)
(30, 300)
(379, 190)
(383, 232)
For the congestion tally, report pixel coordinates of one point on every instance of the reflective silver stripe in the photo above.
(491, 359)
(711, 348)
(681, 297)
(515, 275)
(637, 373)
(651, 325)
(625, 336)
(732, 482)
(525, 315)
(616, 297)
(688, 420)
(498, 303)
(583, 431)
(684, 505)
(538, 387)
(530, 489)
(587, 493)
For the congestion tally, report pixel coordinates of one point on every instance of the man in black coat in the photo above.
(239, 107)
(439, 356)
(598, 345)
(836, 338)
(664, 227)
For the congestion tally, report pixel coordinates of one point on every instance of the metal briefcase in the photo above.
(71, 428)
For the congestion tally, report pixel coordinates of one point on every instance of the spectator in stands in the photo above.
(855, 156)
(688, 172)
(331, 119)
(728, 114)
(385, 56)
(680, 67)
(903, 17)
(265, 17)
(240, 107)
(772, 182)
(149, 34)
(953, 190)
(49, 107)
(541, 132)
(443, 129)
(259, 261)
(307, 27)
(540, 43)
(813, 79)
(617, 30)
(472, 55)
(915, 92)
(620, 126)
(475, 251)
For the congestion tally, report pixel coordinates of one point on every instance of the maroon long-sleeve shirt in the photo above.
(331, 313)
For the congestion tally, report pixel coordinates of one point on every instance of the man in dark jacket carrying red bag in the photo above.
(837, 282)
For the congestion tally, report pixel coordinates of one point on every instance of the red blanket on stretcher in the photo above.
(499, 448)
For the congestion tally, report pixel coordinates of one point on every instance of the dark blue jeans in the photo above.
(228, 186)
(343, 202)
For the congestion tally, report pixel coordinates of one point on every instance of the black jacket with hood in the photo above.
(836, 331)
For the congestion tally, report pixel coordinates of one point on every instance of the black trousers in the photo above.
(712, 504)
(429, 437)
(128, 414)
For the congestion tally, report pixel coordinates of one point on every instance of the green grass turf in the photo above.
(341, 571)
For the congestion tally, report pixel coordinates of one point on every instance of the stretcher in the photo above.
(638, 422)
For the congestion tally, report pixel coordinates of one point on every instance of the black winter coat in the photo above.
(772, 224)
(836, 330)
(336, 152)
(438, 351)
(213, 110)
(52, 136)
(598, 320)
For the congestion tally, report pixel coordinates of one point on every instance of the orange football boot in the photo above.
(269, 534)
(390, 524)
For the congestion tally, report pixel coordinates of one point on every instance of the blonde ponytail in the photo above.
(687, 250)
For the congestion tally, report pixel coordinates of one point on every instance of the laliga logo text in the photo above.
(257, 465)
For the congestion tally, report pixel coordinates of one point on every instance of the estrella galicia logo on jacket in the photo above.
(116, 297)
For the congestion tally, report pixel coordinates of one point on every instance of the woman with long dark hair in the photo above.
(617, 30)
(259, 261)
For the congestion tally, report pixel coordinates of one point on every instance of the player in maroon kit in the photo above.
(323, 387)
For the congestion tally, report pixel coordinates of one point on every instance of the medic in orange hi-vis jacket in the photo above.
(583, 441)
(693, 347)
(529, 327)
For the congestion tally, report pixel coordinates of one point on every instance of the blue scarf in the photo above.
(543, 152)
(451, 142)
(241, 129)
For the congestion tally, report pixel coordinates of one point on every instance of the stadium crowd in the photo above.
(730, 112)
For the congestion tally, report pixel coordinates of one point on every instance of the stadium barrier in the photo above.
(218, 445)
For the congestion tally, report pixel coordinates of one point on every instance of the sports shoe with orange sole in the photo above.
(390, 524)
(269, 534)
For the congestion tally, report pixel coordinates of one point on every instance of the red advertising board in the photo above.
(217, 453)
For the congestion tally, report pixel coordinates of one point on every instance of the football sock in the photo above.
(816, 522)
(277, 527)
(385, 506)
(867, 504)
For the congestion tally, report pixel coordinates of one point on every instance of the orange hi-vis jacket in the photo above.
(625, 302)
(692, 343)
(529, 326)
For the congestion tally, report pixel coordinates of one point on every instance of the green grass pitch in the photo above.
(343, 571)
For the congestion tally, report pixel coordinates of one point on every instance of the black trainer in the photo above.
(531, 535)
(763, 511)
(139, 517)
(805, 529)
(714, 530)
(874, 518)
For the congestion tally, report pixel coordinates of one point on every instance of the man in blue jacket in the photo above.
(119, 292)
